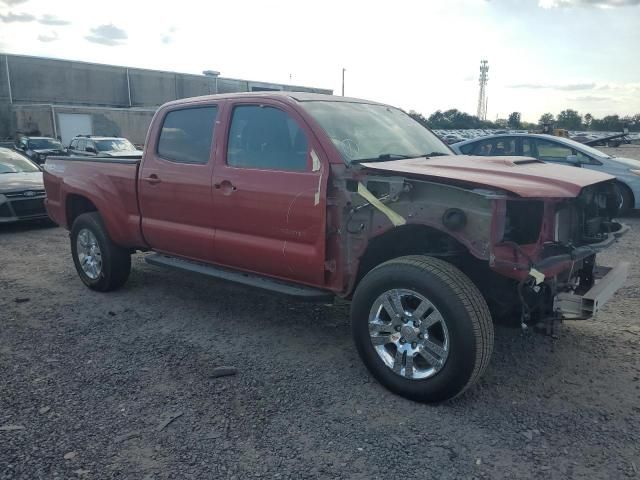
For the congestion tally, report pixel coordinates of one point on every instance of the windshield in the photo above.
(114, 145)
(585, 148)
(44, 144)
(363, 131)
(11, 162)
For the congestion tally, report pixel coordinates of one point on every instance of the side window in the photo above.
(482, 148)
(73, 144)
(467, 149)
(503, 147)
(496, 147)
(552, 151)
(187, 134)
(81, 145)
(89, 145)
(266, 138)
(527, 147)
(582, 158)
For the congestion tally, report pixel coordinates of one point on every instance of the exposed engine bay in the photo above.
(581, 227)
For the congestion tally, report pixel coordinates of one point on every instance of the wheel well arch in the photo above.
(628, 190)
(410, 239)
(76, 205)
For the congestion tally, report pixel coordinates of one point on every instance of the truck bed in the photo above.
(109, 185)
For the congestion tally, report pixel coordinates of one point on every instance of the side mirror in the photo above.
(91, 150)
(573, 160)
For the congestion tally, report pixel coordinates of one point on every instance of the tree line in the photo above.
(569, 119)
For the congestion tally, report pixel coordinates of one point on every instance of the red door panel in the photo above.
(267, 220)
(175, 191)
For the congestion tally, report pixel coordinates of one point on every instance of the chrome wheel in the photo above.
(89, 254)
(409, 334)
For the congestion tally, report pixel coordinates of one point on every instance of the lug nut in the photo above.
(397, 329)
(402, 340)
(414, 345)
(416, 323)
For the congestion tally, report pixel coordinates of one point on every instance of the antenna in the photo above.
(482, 96)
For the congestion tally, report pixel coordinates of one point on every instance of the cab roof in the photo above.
(279, 95)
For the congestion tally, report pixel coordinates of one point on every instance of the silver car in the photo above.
(561, 150)
(21, 188)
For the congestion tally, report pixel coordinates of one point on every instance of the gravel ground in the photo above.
(627, 151)
(124, 385)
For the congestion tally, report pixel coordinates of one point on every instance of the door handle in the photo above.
(226, 186)
(152, 179)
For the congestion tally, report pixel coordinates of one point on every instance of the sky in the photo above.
(544, 55)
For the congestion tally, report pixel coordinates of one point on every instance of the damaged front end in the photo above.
(532, 257)
(549, 247)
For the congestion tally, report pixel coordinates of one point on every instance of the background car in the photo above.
(92, 146)
(38, 148)
(561, 150)
(21, 188)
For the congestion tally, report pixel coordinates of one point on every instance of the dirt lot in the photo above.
(627, 151)
(89, 383)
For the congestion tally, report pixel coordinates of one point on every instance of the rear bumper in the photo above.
(580, 307)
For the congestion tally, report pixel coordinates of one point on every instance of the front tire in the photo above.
(422, 328)
(101, 264)
(625, 199)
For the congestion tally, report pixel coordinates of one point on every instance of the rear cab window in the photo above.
(187, 135)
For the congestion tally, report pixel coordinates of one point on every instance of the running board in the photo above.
(250, 279)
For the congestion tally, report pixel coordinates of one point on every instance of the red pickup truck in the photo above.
(319, 196)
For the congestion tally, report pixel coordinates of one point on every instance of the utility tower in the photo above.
(482, 96)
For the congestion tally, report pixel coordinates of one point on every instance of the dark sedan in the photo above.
(21, 188)
(39, 148)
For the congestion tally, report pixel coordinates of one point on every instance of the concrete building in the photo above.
(62, 98)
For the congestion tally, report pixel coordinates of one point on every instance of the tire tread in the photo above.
(119, 257)
(469, 296)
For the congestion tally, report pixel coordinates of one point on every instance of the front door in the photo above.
(269, 194)
(175, 183)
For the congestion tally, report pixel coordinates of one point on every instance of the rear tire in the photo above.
(447, 357)
(101, 264)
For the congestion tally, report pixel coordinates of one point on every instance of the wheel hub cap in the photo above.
(409, 334)
(89, 254)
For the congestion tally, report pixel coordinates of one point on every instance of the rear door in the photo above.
(269, 194)
(174, 185)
